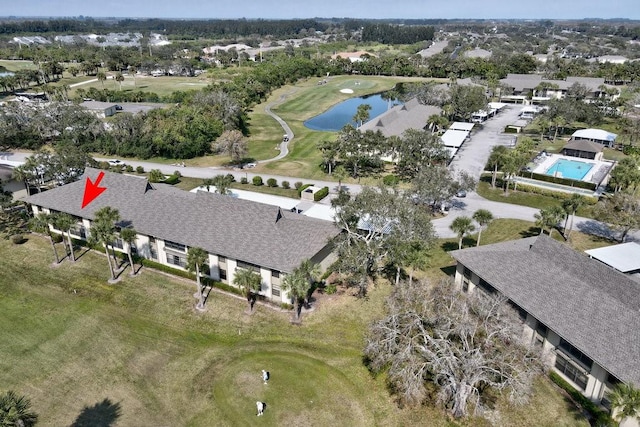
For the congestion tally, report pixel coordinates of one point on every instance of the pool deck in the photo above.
(596, 174)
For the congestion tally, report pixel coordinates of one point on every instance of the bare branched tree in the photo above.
(461, 343)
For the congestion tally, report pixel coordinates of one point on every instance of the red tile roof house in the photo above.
(235, 233)
(584, 312)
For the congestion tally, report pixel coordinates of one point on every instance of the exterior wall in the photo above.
(147, 246)
(539, 334)
(325, 257)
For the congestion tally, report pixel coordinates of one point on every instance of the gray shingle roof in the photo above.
(583, 145)
(411, 115)
(591, 305)
(239, 229)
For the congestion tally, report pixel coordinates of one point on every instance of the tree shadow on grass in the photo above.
(102, 414)
(530, 232)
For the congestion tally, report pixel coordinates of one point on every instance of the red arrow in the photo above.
(92, 190)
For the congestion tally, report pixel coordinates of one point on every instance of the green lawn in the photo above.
(16, 65)
(136, 353)
(523, 198)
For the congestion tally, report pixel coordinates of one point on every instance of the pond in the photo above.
(6, 73)
(339, 115)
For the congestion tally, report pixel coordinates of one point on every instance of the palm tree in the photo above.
(64, 222)
(297, 285)
(549, 217)
(462, 225)
(208, 183)
(103, 230)
(362, 114)
(101, 77)
(119, 78)
(571, 206)
(16, 410)
(497, 160)
(196, 258)
(40, 224)
(625, 402)
(311, 271)
(340, 173)
(129, 235)
(483, 217)
(222, 184)
(249, 283)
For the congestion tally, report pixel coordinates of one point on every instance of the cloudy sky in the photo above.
(271, 9)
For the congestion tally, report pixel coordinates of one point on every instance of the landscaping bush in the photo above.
(172, 180)
(177, 173)
(257, 181)
(601, 417)
(140, 169)
(244, 180)
(286, 185)
(550, 193)
(271, 182)
(104, 165)
(631, 150)
(286, 306)
(297, 185)
(128, 168)
(231, 178)
(155, 175)
(390, 180)
(330, 289)
(302, 188)
(321, 194)
(57, 238)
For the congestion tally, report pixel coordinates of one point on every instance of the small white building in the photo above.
(100, 109)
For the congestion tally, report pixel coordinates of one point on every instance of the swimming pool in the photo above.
(569, 169)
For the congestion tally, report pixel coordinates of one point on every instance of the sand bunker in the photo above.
(346, 90)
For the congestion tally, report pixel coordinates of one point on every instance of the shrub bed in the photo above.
(601, 418)
(557, 180)
(321, 194)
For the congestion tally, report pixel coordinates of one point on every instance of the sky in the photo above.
(288, 9)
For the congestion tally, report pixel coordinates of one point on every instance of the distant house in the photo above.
(477, 53)
(411, 115)
(583, 312)
(235, 233)
(599, 136)
(100, 109)
(358, 56)
(583, 149)
(532, 88)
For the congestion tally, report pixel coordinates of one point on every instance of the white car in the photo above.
(116, 162)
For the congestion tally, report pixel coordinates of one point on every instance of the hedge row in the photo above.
(557, 180)
(601, 418)
(321, 194)
(302, 188)
(550, 193)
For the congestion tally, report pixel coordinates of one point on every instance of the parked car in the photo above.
(116, 162)
(250, 165)
(461, 193)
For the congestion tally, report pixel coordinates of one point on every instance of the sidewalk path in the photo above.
(284, 145)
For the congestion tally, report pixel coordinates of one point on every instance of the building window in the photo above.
(575, 353)
(175, 246)
(223, 274)
(176, 260)
(248, 266)
(466, 273)
(222, 259)
(572, 372)
(485, 286)
(465, 285)
(79, 230)
(275, 290)
(275, 274)
(117, 243)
